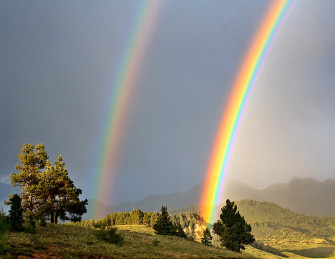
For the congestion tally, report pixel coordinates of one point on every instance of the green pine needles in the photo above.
(232, 228)
(15, 212)
(164, 225)
(207, 237)
(46, 189)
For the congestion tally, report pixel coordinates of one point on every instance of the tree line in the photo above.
(48, 193)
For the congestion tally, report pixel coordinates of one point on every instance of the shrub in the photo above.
(43, 222)
(155, 242)
(110, 236)
(31, 226)
(3, 229)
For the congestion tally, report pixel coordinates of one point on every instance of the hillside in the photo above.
(306, 195)
(66, 241)
(271, 223)
(283, 231)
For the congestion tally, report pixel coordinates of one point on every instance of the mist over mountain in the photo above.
(301, 195)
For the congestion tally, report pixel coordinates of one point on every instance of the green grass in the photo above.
(67, 241)
(285, 233)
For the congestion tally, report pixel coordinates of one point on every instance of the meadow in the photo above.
(68, 241)
(279, 233)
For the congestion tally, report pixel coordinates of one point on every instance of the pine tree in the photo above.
(32, 160)
(49, 192)
(164, 224)
(232, 228)
(57, 195)
(15, 212)
(179, 231)
(207, 237)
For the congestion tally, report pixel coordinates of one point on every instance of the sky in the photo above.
(58, 61)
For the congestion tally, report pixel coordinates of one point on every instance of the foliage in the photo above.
(184, 224)
(155, 242)
(283, 229)
(46, 190)
(207, 237)
(31, 225)
(191, 223)
(31, 160)
(15, 212)
(43, 222)
(179, 231)
(58, 197)
(232, 228)
(110, 236)
(135, 217)
(3, 229)
(164, 224)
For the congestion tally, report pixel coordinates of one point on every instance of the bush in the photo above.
(110, 236)
(31, 226)
(3, 229)
(43, 223)
(155, 242)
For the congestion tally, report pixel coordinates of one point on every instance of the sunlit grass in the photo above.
(77, 242)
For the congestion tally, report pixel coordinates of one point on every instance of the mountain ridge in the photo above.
(301, 195)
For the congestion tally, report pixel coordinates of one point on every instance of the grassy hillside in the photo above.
(283, 232)
(67, 241)
(284, 229)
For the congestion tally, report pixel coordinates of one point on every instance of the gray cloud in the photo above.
(57, 63)
(5, 179)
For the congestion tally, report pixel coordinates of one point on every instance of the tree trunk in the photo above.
(52, 217)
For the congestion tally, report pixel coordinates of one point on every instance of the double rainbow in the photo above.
(245, 80)
(121, 89)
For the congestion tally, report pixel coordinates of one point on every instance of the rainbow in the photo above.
(244, 82)
(122, 87)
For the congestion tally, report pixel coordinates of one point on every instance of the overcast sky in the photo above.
(58, 59)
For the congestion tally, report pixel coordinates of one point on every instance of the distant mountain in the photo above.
(306, 195)
(302, 195)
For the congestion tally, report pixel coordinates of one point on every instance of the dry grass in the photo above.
(66, 241)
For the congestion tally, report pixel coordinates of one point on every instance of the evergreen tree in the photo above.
(50, 192)
(146, 220)
(179, 231)
(232, 228)
(15, 212)
(164, 224)
(57, 195)
(32, 160)
(136, 217)
(207, 237)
